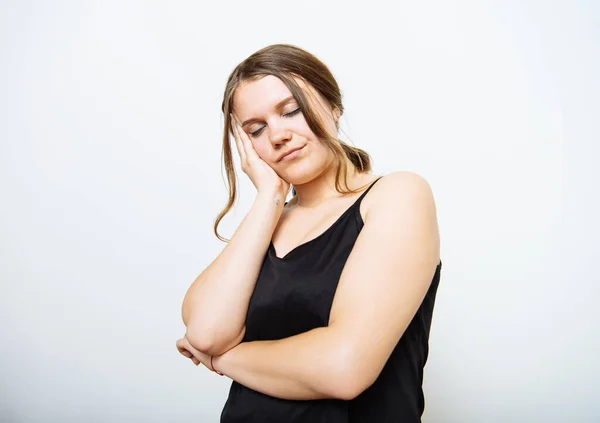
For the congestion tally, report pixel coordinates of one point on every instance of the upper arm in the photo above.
(386, 276)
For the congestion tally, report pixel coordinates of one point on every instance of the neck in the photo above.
(322, 188)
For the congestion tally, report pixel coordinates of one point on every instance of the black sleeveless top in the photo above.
(293, 295)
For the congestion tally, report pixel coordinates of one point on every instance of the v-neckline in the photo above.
(272, 246)
(322, 234)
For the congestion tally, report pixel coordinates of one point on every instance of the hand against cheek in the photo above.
(260, 173)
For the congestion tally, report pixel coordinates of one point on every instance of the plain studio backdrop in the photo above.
(110, 178)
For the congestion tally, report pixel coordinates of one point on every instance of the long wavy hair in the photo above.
(287, 62)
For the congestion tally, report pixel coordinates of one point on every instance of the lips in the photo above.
(289, 152)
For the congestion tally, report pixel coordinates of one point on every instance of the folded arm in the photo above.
(381, 287)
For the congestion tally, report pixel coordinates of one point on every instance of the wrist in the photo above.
(219, 364)
(274, 197)
(212, 366)
(224, 363)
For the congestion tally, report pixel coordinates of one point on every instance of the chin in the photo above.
(303, 174)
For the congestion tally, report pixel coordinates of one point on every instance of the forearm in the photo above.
(215, 306)
(302, 367)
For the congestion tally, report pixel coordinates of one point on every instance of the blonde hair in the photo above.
(287, 62)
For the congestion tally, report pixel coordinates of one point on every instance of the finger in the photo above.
(194, 352)
(241, 144)
(182, 350)
(238, 142)
(195, 355)
(232, 122)
(246, 143)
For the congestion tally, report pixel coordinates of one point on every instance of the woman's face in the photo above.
(271, 118)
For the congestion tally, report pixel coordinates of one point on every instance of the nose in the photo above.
(279, 133)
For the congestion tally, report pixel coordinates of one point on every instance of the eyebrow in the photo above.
(277, 107)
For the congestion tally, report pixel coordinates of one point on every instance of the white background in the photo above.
(110, 179)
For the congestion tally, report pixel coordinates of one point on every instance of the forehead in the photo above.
(254, 97)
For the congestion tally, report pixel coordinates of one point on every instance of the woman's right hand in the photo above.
(264, 178)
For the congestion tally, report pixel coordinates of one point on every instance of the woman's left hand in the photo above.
(186, 349)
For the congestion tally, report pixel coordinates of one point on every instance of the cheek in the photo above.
(301, 125)
(261, 147)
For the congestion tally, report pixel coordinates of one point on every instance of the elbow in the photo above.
(212, 345)
(201, 342)
(349, 380)
(348, 388)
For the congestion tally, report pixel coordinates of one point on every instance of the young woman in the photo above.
(318, 309)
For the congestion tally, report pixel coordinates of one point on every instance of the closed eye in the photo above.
(258, 131)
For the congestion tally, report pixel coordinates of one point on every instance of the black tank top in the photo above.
(293, 295)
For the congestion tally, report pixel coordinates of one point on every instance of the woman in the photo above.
(318, 309)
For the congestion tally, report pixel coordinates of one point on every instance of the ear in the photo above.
(336, 113)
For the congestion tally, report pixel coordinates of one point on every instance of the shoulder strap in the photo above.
(370, 186)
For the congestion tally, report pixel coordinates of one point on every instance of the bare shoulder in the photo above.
(399, 189)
